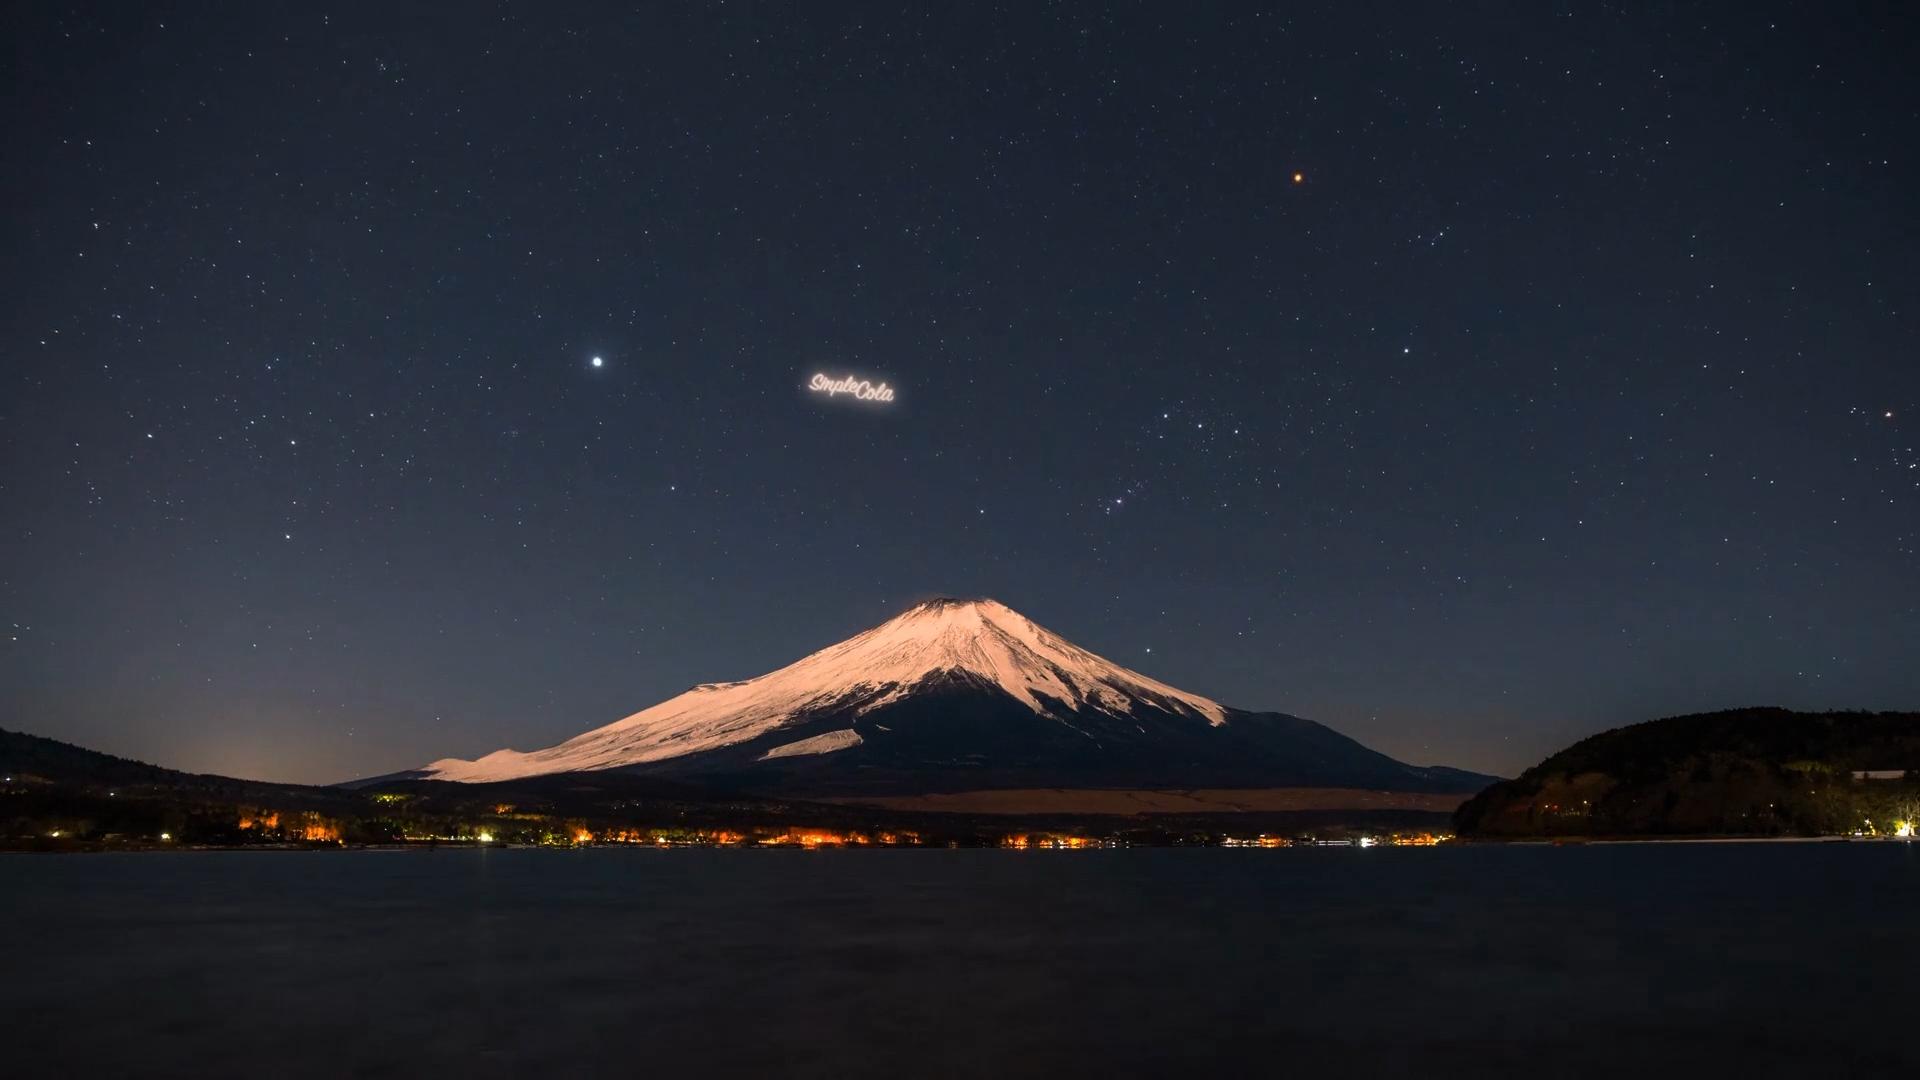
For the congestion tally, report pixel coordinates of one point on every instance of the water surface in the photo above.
(1761, 959)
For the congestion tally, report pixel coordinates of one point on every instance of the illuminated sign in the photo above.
(861, 389)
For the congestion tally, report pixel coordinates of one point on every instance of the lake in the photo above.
(1752, 959)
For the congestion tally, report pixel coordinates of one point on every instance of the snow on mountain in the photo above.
(983, 639)
(819, 744)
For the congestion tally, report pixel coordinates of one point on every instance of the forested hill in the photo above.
(34, 760)
(1738, 772)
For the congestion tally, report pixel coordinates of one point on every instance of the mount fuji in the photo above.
(956, 695)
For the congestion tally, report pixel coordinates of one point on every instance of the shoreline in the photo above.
(1223, 843)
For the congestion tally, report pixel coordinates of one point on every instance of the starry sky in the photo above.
(1467, 379)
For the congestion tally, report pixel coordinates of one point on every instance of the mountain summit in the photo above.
(967, 693)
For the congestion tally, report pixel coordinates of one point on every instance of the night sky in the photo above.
(1467, 378)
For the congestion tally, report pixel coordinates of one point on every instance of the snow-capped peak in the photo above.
(981, 638)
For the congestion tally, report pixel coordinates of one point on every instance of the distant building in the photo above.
(1879, 774)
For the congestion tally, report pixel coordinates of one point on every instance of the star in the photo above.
(598, 362)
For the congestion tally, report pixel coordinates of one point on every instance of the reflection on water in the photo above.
(1760, 959)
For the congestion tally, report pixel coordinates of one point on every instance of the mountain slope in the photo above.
(961, 692)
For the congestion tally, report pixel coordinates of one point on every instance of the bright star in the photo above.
(597, 362)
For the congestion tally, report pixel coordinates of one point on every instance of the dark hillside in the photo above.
(1740, 772)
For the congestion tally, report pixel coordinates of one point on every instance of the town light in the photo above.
(1903, 829)
(484, 837)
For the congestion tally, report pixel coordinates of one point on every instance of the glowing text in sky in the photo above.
(861, 389)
